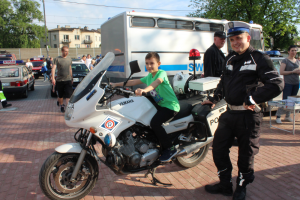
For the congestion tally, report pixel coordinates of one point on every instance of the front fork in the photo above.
(81, 157)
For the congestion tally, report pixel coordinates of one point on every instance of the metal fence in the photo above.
(25, 53)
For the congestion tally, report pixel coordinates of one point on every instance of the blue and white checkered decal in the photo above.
(109, 124)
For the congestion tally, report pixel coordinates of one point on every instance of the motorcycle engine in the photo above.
(136, 151)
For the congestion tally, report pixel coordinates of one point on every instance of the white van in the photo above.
(131, 35)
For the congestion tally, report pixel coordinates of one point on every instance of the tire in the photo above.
(191, 161)
(32, 87)
(59, 167)
(25, 94)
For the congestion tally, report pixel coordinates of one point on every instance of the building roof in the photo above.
(72, 29)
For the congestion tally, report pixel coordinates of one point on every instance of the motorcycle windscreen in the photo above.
(92, 78)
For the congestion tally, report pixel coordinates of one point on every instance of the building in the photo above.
(73, 37)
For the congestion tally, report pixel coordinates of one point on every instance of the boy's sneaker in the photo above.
(62, 108)
(288, 119)
(168, 154)
(278, 121)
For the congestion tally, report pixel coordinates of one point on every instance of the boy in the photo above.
(168, 106)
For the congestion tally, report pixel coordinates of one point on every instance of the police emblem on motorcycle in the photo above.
(109, 124)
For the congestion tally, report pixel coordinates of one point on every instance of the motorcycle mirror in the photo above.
(134, 67)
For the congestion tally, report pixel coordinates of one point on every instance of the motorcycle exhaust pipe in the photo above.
(186, 150)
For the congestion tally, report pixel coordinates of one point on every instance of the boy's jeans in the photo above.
(46, 76)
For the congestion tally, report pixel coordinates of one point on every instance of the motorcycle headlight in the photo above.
(69, 111)
(110, 140)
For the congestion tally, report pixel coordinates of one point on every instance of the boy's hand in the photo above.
(139, 92)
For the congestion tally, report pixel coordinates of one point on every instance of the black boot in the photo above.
(5, 104)
(220, 188)
(239, 193)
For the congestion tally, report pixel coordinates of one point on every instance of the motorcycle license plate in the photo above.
(75, 79)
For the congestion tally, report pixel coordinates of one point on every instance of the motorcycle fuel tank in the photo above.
(138, 108)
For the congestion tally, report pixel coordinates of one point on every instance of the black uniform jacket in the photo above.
(242, 72)
(213, 61)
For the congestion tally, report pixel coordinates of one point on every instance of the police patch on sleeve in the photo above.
(109, 124)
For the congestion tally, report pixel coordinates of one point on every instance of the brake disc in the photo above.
(63, 176)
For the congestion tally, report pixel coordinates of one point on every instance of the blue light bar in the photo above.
(6, 55)
(11, 62)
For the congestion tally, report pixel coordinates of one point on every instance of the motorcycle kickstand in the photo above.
(154, 180)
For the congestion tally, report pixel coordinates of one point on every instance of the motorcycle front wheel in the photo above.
(55, 175)
(192, 159)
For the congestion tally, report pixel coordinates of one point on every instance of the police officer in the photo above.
(214, 57)
(243, 68)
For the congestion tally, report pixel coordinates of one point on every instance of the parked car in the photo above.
(79, 70)
(16, 80)
(37, 64)
(7, 57)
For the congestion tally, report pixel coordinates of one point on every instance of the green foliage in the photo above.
(278, 18)
(17, 29)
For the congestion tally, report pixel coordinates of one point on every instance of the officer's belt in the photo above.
(231, 107)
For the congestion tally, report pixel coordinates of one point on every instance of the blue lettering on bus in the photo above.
(199, 67)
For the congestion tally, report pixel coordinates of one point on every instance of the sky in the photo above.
(75, 15)
(63, 13)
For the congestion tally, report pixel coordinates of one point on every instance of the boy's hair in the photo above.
(153, 55)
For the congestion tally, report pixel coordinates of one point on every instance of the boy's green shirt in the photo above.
(163, 94)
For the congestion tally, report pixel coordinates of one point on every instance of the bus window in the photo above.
(255, 38)
(174, 24)
(199, 26)
(143, 22)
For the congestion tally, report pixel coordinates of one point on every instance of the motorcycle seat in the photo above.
(185, 110)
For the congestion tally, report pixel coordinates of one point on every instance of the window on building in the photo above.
(77, 37)
(55, 45)
(142, 21)
(87, 37)
(54, 37)
(176, 24)
(88, 46)
(77, 45)
(66, 38)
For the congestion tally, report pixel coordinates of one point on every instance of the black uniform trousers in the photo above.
(245, 125)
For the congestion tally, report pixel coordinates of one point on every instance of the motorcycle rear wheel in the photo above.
(56, 172)
(192, 160)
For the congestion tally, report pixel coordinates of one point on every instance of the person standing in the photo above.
(88, 60)
(29, 65)
(290, 69)
(49, 65)
(213, 57)
(44, 70)
(92, 65)
(64, 79)
(239, 86)
(83, 59)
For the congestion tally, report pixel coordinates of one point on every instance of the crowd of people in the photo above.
(89, 62)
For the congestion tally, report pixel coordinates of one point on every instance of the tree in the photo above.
(17, 29)
(278, 18)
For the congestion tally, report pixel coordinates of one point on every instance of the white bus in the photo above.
(131, 35)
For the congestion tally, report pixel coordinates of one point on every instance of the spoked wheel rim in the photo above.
(194, 156)
(59, 178)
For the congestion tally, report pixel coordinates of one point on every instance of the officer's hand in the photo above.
(208, 102)
(249, 107)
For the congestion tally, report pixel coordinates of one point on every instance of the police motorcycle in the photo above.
(122, 127)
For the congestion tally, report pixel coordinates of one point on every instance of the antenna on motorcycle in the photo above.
(134, 68)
